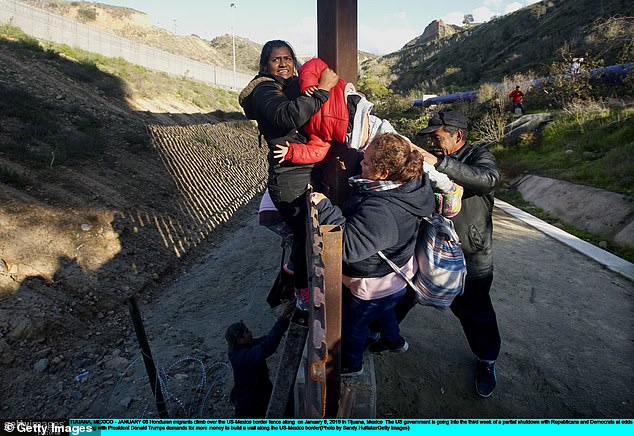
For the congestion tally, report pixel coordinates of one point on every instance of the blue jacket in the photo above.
(251, 383)
(374, 221)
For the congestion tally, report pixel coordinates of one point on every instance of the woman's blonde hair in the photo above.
(392, 155)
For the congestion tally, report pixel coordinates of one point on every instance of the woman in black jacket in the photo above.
(382, 214)
(274, 100)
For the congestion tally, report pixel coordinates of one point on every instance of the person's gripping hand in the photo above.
(285, 310)
(317, 197)
(428, 157)
(328, 79)
(310, 91)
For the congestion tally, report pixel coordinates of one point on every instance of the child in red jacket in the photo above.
(330, 123)
(334, 121)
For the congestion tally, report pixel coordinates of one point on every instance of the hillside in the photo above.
(135, 25)
(527, 40)
(103, 194)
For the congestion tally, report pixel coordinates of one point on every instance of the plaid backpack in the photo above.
(441, 265)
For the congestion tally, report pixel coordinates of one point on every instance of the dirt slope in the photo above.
(84, 223)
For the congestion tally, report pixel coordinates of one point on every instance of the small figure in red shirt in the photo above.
(516, 97)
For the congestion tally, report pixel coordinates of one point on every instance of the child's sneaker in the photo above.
(452, 201)
(382, 346)
(302, 297)
(351, 372)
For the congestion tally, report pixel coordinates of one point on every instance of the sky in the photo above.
(384, 26)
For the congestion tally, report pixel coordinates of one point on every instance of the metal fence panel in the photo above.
(44, 25)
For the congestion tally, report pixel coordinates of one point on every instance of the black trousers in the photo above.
(288, 187)
(476, 314)
(288, 190)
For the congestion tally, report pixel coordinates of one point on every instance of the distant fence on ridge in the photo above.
(44, 25)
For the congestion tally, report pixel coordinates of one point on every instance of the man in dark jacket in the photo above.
(251, 383)
(475, 169)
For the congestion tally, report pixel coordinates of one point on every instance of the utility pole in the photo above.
(233, 40)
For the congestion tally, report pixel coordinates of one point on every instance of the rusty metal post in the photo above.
(323, 249)
(337, 36)
(322, 339)
(332, 256)
(287, 368)
(316, 346)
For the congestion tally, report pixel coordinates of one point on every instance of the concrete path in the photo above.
(603, 257)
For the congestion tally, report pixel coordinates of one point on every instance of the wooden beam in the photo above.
(337, 37)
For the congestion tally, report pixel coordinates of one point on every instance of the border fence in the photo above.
(44, 25)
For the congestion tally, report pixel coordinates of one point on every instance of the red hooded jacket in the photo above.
(329, 124)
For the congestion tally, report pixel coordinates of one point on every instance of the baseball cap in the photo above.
(445, 117)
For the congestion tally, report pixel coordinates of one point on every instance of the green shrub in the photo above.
(592, 148)
(373, 89)
(86, 14)
(12, 177)
(204, 139)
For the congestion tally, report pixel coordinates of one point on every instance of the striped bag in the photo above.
(441, 265)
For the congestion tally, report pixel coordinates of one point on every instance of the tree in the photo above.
(468, 19)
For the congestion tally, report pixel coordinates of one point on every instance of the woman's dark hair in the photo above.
(392, 154)
(266, 54)
(234, 332)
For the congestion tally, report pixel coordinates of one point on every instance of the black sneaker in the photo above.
(382, 346)
(351, 372)
(485, 379)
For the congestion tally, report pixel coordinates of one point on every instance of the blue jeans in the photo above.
(357, 316)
